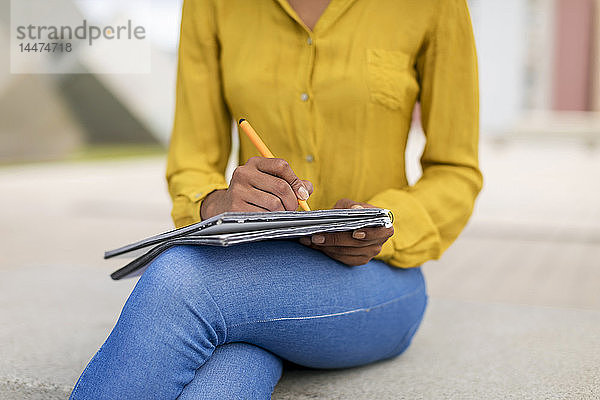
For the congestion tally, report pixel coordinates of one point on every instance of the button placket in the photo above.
(307, 97)
(309, 156)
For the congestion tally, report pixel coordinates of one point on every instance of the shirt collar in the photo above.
(334, 10)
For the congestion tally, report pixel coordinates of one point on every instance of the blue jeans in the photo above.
(218, 323)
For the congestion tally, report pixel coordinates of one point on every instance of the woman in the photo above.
(331, 87)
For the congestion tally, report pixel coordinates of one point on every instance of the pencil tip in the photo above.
(241, 120)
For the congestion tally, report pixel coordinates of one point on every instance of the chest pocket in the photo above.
(391, 78)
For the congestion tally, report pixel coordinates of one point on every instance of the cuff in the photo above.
(186, 206)
(416, 238)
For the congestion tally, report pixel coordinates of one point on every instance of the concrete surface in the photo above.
(514, 310)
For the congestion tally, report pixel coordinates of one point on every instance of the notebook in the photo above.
(232, 228)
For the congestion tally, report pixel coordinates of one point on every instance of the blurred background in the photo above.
(539, 73)
(82, 162)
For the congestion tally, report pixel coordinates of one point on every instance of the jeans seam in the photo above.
(362, 309)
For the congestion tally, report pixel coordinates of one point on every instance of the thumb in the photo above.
(309, 186)
(302, 189)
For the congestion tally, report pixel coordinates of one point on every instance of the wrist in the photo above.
(209, 207)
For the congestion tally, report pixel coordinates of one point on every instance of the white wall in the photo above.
(500, 32)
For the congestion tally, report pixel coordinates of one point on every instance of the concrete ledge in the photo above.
(32, 390)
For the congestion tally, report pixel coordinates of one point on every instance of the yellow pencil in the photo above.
(263, 150)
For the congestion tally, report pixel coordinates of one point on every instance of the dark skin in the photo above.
(264, 184)
(351, 248)
(270, 184)
(309, 11)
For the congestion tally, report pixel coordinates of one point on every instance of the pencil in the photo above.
(263, 150)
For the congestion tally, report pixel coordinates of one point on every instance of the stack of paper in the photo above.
(234, 228)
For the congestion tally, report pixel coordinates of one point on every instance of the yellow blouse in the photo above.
(336, 103)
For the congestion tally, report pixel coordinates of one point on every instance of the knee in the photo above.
(173, 289)
(174, 277)
(415, 316)
(173, 268)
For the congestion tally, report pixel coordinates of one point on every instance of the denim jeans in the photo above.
(217, 323)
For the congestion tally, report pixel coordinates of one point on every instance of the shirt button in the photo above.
(304, 96)
(197, 195)
(310, 158)
(309, 41)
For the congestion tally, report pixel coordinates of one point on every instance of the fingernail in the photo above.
(357, 206)
(303, 193)
(359, 235)
(318, 239)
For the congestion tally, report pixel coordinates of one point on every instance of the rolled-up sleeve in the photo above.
(201, 138)
(430, 214)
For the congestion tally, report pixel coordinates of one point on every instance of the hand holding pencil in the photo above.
(265, 152)
(262, 184)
